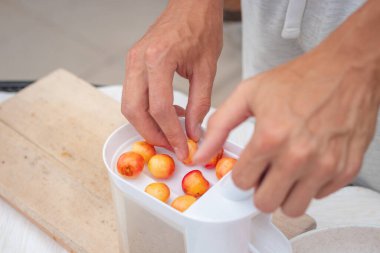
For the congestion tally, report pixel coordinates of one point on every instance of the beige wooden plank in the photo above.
(69, 119)
(39, 186)
(292, 227)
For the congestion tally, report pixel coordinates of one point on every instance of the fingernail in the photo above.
(180, 154)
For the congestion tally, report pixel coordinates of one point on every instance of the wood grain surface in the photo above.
(51, 167)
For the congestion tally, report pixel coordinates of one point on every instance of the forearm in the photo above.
(205, 10)
(355, 45)
(200, 18)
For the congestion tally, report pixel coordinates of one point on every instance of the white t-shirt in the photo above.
(276, 31)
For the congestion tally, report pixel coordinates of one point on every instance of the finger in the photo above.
(356, 145)
(348, 171)
(232, 112)
(299, 198)
(286, 169)
(306, 188)
(135, 103)
(321, 171)
(160, 78)
(180, 111)
(252, 164)
(199, 100)
(275, 185)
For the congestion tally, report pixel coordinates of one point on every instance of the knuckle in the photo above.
(153, 53)
(298, 155)
(356, 165)
(129, 110)
(351, 171)
(157, 110)
(271, 137)
(327, 164)
(132, 55)
(348, 176)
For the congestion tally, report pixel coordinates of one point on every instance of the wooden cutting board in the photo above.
(51, 167)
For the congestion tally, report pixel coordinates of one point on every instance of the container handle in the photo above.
(269, 238)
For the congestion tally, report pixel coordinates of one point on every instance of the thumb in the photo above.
(230, 114)
(199, 101)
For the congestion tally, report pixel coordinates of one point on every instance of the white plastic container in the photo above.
(223, 220)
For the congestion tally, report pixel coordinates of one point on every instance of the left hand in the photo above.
(186, 39)
(315, 118)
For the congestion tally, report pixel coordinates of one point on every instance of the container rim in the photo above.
(185, 215)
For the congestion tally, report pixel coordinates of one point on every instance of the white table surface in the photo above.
(348, 206)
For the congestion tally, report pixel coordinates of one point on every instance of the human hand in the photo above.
(187, 39)
(315, 117)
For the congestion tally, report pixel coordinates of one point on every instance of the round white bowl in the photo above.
(339, 240)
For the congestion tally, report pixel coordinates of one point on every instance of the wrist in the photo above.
(207, 12)
(218, 3)
(195, 18)
(200, 6)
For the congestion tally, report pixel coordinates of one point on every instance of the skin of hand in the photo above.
(187, 39)
(315, 117)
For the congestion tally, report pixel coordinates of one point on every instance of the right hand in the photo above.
(187, 39)
(312, 127)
